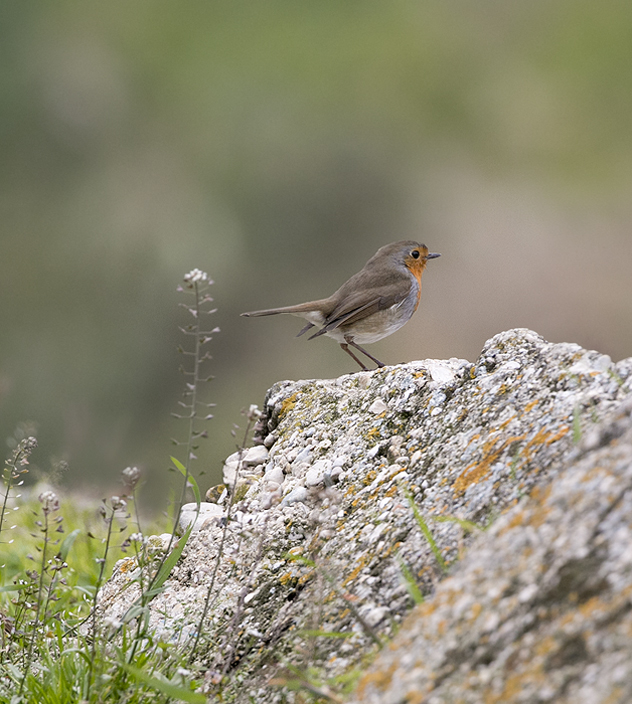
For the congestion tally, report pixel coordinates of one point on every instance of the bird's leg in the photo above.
(350, 353)
(370, 356)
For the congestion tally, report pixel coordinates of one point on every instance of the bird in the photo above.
(372, 304)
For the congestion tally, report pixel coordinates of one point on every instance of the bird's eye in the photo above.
(415, 254)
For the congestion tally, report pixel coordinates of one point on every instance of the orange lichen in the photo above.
(505, 423)
(288, 404)
(355, 572)
(476, 611)
(542, 437)
(287, 578)
(380, 679)
(541, 512)
(515, 684)
(372, 434)
(426, 569)
(474, 437)
(416, 697)
(546, 646)
(332, 596)
(476, 471)
(616, 696)
(369, 477)
(127, 565)
(306, 577)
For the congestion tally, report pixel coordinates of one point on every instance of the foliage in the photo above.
(56, 642)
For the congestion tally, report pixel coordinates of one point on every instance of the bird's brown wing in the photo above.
(361, 305)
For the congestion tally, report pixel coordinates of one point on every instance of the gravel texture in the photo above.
(531, 439)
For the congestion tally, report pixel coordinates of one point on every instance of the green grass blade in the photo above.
(13, 587)
(194, 485)
(577, 426)
(325, 634)
(468, 526)
(174, 555)
(427, 533)
(171, 690)
(409, 582)
(169, 563)
(68, 543)
(300, 559)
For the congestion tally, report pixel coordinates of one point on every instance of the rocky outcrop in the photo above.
(498, 490)
(540, 608)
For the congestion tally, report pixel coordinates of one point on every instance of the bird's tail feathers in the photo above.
(298, 309)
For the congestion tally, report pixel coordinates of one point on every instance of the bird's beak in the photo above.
(432, 255)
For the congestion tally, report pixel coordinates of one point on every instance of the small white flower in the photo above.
(49, 500)
(196, 276)
(118, 504)
(254, 413)
(131, 475)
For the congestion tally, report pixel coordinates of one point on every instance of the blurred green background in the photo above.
(277, 145)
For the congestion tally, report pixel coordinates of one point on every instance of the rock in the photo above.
(440, 371)
(547, 589)
(256, 455)
(231, 463)
(216, 494)
(274, 473)
(317, 473)
(297, 494)
(518, 466)
(378, 406)
(208, 512)
(269, 440)
(244, 461)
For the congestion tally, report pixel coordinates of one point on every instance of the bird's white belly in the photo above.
(376, 326)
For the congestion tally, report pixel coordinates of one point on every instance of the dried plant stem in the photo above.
(197, 360)
(195, 280)
(14, 467)
(220, 549)
(38, 604)
(97, 586)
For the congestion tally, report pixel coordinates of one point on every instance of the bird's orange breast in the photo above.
(416, 268)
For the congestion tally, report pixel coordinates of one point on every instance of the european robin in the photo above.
(374, 303)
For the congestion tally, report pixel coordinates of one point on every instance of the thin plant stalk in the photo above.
(220, 550)
(97, 587)
(13, 468)
(193, 280)
(49, 504)
(192, 415)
